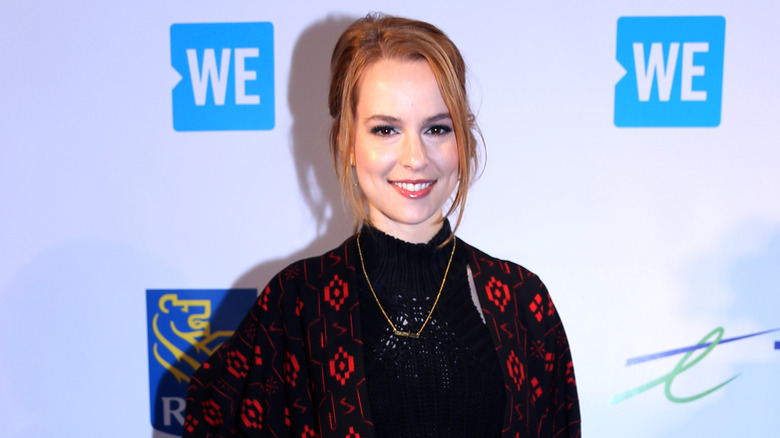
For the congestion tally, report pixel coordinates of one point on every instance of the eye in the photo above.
(438, 130)
(383, 130)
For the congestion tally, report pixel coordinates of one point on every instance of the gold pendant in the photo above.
(406, 334)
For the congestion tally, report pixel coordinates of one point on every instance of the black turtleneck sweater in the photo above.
(446, 383)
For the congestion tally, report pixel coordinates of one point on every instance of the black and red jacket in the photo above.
(294, 367)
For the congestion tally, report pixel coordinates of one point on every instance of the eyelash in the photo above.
(440, 130)
(436, 130)
(383, 130)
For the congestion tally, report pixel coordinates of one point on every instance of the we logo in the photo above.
(674, 71)
(227, 72)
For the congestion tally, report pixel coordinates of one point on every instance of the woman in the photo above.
(403, 330)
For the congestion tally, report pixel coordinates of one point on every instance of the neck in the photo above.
(411, 233)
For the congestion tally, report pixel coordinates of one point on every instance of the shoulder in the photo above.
(313, 273)
(339, 257)
(485, 265)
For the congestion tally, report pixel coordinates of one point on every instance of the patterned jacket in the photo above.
(294, 367)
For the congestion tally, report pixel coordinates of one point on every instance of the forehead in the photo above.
(399, 85)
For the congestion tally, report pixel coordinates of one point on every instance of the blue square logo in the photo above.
(227, 72)
(674, 71)
(184, 327)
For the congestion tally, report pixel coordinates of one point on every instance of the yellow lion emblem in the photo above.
(197, 335)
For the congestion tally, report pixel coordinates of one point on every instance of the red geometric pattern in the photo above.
(252, 414)
(211, 413)
(264, 298)
(249, 329)
(352, 434)
(538, 349)
(350, 407)
(536, 307)
(258, 356)
(516, 369)
(237, 364)
(336, 292)
(291, 368)
(560, 338)
(190, 423)
(308, 432)
(498, 293)
(292, 272)
(536, 389)
(549, 362)
(570, 372)
(341, 366)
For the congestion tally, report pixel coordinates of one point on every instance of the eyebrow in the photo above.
(390, 119)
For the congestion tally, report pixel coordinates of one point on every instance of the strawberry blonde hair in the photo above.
(376, 37)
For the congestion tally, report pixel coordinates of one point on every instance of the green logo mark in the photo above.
(678, 369)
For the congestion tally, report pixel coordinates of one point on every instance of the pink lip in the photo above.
(404, 187)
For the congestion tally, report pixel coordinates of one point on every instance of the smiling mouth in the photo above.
(413, 189)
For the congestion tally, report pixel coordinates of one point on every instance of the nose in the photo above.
(413, 153)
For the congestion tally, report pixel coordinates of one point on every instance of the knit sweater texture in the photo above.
(448, 381)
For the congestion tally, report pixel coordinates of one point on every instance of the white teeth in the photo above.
(413, 187)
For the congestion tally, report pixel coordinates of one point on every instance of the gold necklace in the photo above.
(395, 330)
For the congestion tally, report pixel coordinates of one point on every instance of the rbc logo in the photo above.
(227, 72)
(674, 71)
(184, 328)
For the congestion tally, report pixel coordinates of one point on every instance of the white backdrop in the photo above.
(648, 238)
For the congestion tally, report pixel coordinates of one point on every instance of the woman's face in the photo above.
(405, 152)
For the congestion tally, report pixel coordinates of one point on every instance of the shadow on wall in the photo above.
(307, 98)
(308, 101)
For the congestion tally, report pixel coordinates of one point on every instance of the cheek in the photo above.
(450, 160)
(372, 162)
